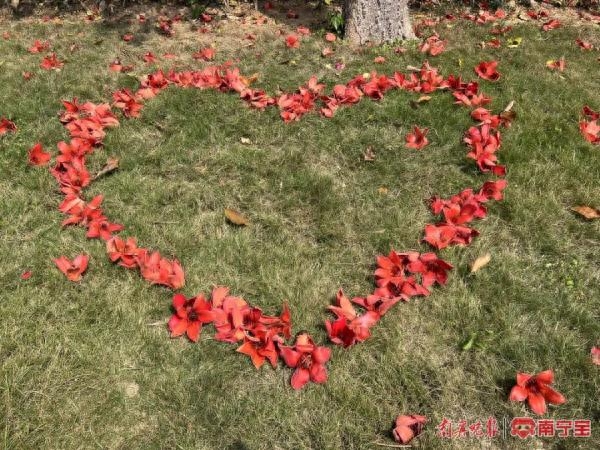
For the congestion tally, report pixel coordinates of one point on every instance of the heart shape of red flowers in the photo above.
(399, 276)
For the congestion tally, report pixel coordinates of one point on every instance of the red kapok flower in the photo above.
(330, 37)
(51, 62)
(189, 316)
(556, 64)
(207, 54)
(6, 126)
(433, 45)
(26, 275)
(123, 251)
(260, 346)
(350, 327)
(590, 131)
(72, 269)
(308, 360)
(103, 229)
(492, 190)
(37, 155)
(487, 70)
(149, 58)
(551, 25)
(159, 270)
(38, 46)
(408, 427)
(442, 235)
(418, 138)
(292, 41)
(536, 390)
(584, 45)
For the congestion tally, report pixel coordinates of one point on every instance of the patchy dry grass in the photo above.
(90, 364)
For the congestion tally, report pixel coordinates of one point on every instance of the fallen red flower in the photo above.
(308, 360)
(551, 25)
(443, 235)
(330, 37)
(327, 51)
(80, 212)
(149, 58)
(51, 62)
(303, 30)
(501, 30)
(230, 313)
(433, 45)
(7, 126)
(256, 98)
(350, 327)
(492, 190)
(292, 41)
(123, 252)
(396, 274)
(494, 43)
(486, 117)
(103, 229)
(206, 54)
(37, 155)
(460, 209)
(87, 129)
(159, 270)
(558, 64)
(189, 316)
(39, 46)
(73, 270)
(260, 346)
(26, 275)
(71, 174)
(127, 102)
(377, 86)
(536, 390)
(590, 131)
(417, 139)
(584, 45)
(487, 70)
(408, 427)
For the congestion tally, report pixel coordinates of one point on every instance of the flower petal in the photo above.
(318, 373)
(537, 403)
(518, 394)
(193, 330)
(300, 377)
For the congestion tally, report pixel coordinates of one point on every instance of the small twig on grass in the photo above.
(164, 222)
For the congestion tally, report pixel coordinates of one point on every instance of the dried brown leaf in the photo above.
(480, 262)
(111, 165)
(236, 217)
(586, 211)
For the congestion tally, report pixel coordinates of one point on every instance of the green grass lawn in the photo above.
(90, 364)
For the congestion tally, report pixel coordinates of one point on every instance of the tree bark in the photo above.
(377, 21)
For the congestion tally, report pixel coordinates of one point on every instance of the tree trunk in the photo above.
(377, 21)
